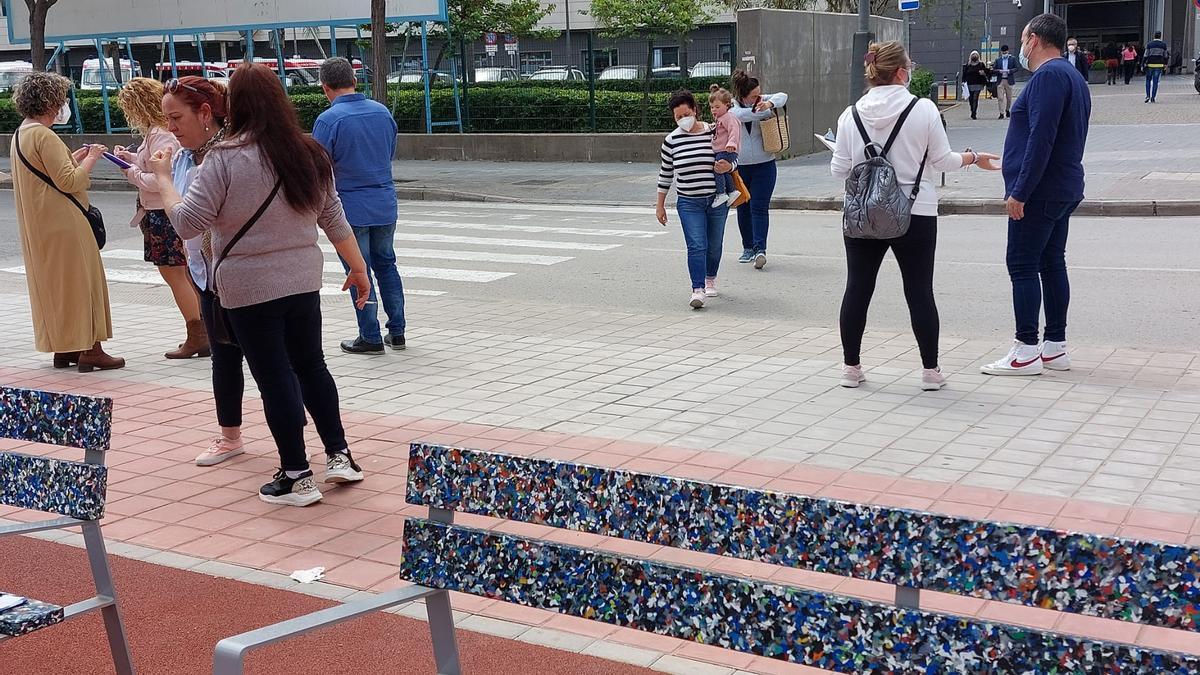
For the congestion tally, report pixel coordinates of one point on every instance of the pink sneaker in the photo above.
(219, 450)
(852, 376)
(932, 379)
(710, 287)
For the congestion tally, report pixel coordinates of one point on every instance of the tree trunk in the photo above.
(683, 55)
(646, 82)
(379, 51)
(37, 32)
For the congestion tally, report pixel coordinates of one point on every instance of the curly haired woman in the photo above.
(141, 101)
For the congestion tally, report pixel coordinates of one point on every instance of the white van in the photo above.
(91, 74)
(11, 73)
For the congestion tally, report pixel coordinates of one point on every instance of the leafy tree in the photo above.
(650, 19)
(37, 31)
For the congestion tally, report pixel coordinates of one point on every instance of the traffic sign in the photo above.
(914, 5)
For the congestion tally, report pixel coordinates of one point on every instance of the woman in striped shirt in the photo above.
(688, 161)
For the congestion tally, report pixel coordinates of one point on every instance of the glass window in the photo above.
(665, 57)
(723, 52)
(601, 58)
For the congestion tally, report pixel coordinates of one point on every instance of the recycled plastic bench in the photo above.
(73, 490)
(1144, 582)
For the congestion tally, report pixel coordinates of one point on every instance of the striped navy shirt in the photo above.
(688, 160)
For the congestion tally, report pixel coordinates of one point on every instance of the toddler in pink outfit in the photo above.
(727, 139)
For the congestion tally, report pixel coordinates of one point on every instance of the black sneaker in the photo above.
(300, 491)
(360, 346)
(340, 468)
(394, 341)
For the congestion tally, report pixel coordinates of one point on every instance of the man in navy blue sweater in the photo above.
(1043, 184)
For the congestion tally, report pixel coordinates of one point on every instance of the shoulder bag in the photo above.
(221, 330)
(95, 219)
(776, 135)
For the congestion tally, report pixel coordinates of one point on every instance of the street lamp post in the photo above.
(567, 10)
(862, 42)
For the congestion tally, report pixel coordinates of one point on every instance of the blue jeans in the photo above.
(377, 244)
(1152, 76)
(754, 215)
(704, 233)
(1037, 266)
(725, 180)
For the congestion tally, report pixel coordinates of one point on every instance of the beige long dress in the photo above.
(68, 294)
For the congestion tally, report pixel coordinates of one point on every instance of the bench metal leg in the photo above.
(98, 559)
(441, 629)
(230, 654)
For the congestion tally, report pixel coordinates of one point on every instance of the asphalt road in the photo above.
(1134, 283)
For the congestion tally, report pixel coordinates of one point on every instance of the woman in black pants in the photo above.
(975, 74)
(921, 141)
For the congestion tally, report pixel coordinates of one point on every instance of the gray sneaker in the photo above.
(760, 260)
(340, 468)
(747, 256)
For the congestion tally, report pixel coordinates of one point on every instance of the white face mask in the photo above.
(1071, 48)
(907, 81)
(686, 123)
(1024, 58)
(64, 114)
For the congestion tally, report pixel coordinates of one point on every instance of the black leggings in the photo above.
(973, 98)
(914, 253)
(282, 342)
(228, 380)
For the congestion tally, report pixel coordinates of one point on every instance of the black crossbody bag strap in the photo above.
(45, 178)
(237, 237)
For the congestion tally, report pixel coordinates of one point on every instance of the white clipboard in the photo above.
(829, 142)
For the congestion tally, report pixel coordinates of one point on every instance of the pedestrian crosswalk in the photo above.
(441, 248)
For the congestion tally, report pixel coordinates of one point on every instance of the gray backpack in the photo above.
(875, 207)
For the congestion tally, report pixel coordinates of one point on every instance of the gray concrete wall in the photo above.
(479, 147)
(808, 55)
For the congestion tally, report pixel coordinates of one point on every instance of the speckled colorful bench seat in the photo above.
(74, 491)
(28, 617)
(1144, 582)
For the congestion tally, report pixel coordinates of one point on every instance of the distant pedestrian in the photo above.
(360, 135)
(920, 147)
(1076, 58)
(1112, 61)
(1043, 184)
(975, 76)
(726, 141)
(1154, 60)
(688, 161)
(141, 102)
(1176, 62)
(1006, 68)
(68, 294)
(756, 166)
(1128, 61)
(262, 194)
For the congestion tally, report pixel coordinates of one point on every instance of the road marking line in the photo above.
(964, 263)
(149, 278)
(433, 254)
(489, 241)
(471, 276)
(533, 229)
(501, 206)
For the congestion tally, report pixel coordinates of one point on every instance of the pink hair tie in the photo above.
(869, 58)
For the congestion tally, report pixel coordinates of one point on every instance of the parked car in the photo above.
(622, 73)
(710, 69)
(496, 75)
(669, 71)
(409, 77)
(558, 74)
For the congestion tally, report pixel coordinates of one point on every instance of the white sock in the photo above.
(294, 474)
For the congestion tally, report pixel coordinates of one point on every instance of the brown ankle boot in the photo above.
(195, 345)
(96, 359)
(65, 359)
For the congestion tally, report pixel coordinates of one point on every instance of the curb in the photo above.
(1138, 208)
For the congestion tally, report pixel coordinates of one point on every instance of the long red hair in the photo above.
(261, 113)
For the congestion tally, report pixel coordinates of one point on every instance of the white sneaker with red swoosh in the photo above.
(1054, 356)
(1022, 359)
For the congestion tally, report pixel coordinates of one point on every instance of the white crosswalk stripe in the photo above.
(432, 254)
(490, 241)
(531, 229)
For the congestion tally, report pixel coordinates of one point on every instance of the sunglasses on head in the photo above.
(173, 85)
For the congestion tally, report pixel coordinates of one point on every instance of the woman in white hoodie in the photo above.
(921, 140)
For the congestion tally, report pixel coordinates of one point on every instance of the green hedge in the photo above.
(507, 108)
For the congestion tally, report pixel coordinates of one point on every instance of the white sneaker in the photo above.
(710, 288)
(720, 200)
(1022, 359)
(932, 379)
(697, 298)
(852, 376)
(340, 468)
(1055, 357)
(760, 260)
(734, 196)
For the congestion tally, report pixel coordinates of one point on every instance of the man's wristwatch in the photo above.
(974, 157)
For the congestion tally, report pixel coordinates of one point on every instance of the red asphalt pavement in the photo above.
(174, 618)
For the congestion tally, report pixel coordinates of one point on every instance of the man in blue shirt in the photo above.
(1006, 68)
(360, 136)
(1043, 184)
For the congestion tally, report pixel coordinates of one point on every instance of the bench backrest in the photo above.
(1102, 576)
(74, 489)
